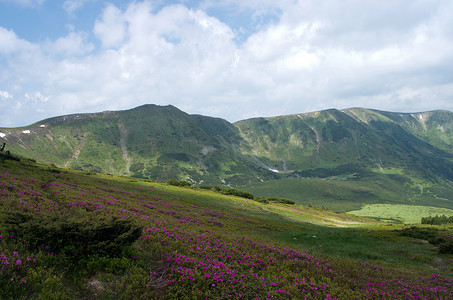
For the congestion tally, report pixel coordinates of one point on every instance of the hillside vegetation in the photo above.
(68, 234)
(339, 159)
(147, 142)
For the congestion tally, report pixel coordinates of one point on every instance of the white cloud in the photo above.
(71, 6)
(5, 95)
(111, 28)
(36, 97)
(72, 44)
(10, 43)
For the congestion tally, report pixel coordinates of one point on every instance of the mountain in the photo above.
(373, 156)
(360, 137)
(353, 157)
(158, 142)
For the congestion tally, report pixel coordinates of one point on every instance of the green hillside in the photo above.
(333, 138)
(67, 234)
(339, 159)
(344, 160)
(158, 142)
(433, 127)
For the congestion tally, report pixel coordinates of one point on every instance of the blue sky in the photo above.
(233, 59)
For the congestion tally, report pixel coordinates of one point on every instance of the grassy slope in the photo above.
(158, 142)
(297, 142)
(355, 157)
(352, 157)
(190, 234)
(346, 195)
(402, 213)
(434, 127)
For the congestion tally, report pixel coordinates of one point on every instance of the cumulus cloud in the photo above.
(72, 6)
(111, 27)
(299, 56)
(74, 44)
(10, 43)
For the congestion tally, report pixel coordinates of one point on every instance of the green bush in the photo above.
(419, 233)
(273, 199)
(7, 155)
(261, 199)
(280, 200)
(74, 236)
(443, 241)
(446, 247)
(210, 187)
(238, 193)
(437, 220)
(182, 183)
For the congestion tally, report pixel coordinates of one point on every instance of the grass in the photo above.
(352, 194)
(402, 213)
(197, 244)
(383, 247)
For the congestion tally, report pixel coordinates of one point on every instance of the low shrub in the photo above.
(210, 187)
(261, 199)
(235, 192)
(76, 236)
(280, 200)
(273, 199)
(447, 246)
(437, 220)
(415, 232)
(182, 183)
(8, 155)
(443, 241)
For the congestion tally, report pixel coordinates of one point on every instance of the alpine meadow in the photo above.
(153, 202)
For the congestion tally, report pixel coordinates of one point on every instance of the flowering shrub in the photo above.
(67, 236)
(433, 236)
(75, 235)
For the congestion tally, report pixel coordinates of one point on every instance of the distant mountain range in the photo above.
(163, 142)
(419, 144)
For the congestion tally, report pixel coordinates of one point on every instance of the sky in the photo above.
(233, 59)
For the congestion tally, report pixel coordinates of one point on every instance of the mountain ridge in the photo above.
(162, 142)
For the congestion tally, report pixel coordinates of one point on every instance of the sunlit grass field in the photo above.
(353, 194)
(400, 213)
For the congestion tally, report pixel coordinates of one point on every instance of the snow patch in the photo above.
(42, 126)
(26, 131)
(2, 135)
(274, 170)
